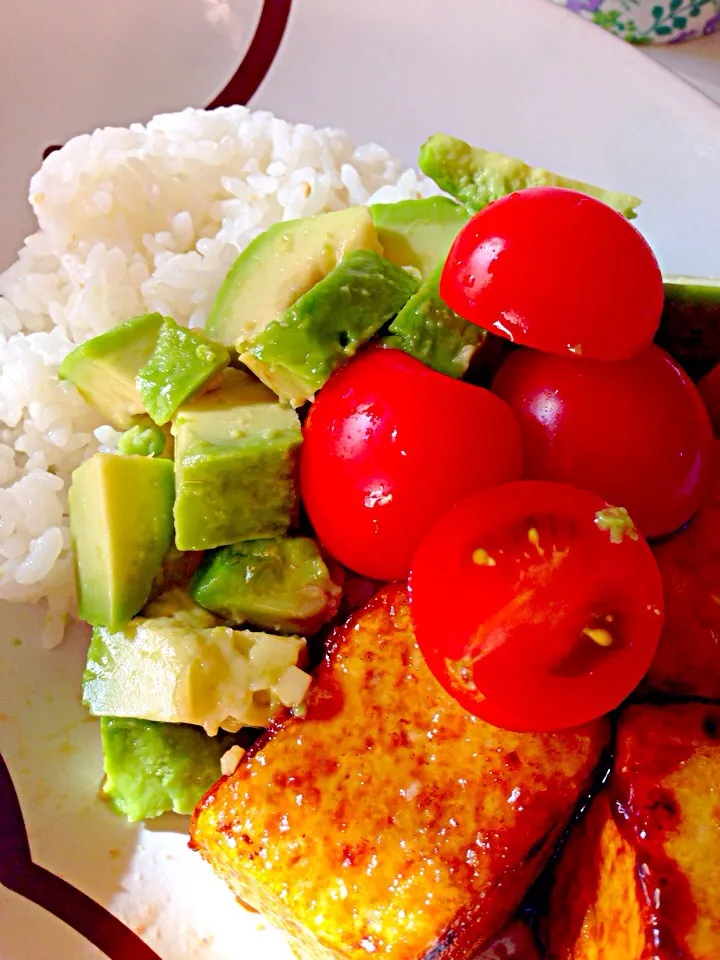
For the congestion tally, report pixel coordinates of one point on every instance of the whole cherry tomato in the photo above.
(634, 431)
(536, 605)
(389, 446)
(559, 271)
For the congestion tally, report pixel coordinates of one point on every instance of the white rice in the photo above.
(134, 220)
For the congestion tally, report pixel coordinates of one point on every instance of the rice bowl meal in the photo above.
(391, 500)
(149, 218)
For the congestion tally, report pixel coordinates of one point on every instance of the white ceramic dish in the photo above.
(521, 76)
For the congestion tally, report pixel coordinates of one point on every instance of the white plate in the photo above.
(516, 75)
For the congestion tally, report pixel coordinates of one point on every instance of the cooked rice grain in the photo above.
(135, 220)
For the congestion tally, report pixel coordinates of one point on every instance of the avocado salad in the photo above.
(196, 566)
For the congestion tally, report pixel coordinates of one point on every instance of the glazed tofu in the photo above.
(639, 877)
(389, 820)
(688, 657)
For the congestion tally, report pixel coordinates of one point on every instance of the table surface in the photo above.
(697, 61)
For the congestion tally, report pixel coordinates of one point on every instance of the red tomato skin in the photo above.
(709, 388)
(556, 270)
(515, 942)
(389, 445)
(635, 431)
(528, 610)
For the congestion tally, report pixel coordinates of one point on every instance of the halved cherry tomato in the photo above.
(536, 605)
(556, 270)
(389, 446)
(635, 431)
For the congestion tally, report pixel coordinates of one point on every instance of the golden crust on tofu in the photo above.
(595, 913)
(643, 868)
(687, 661)
(389, 820)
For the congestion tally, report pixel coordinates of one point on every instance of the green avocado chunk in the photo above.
(121, 526)
(296, 355)
(144, 440)
(281, 265)
(178, 665)
(235, 463)
(152, 768)
(690, 323)
(104, 369)
(181, 363)
(476, 177)
(281, 584)
(430, 331)
(418, 233)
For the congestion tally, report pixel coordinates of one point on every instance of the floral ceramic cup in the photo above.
(648, 21)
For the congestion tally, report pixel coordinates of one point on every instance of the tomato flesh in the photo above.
(536, 605)
(390, 445)
(636, 432)
(559, 271)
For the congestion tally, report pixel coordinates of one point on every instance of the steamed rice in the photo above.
(135, 220)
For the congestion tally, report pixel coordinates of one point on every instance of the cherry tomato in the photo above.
(536, 605)
(556, 270)
(634, 431)
(709, 388)
(389, 446)
(515, 942)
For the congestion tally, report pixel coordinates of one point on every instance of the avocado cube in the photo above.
(476, 177)
(152, 768)
(144, 439)
(296, 355)
(104, 369)
(430, 331)
(121, 527)
(281, 584)
(418, 233)
(181, 363)
(235, 462)
(177, 665)
(281, 265)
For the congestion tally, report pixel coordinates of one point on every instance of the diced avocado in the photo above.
(121, 526)
(690, 324)
(418, 233)
(282, 584)
(143, 440)
(296, 354)
(281, 265)
(152, 768)
(181, 363)
(104, 369)
(235, 463)
(179, 666)
(430, 331)
(476, 177)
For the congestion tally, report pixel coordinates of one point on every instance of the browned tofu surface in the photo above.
(641, 877)
(595, 911)
(389, 821)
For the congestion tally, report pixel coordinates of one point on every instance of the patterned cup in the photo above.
(648, 21)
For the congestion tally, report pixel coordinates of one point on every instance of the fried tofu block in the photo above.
(389, 820)
(688, 657)
(595, 911)
(639, 877)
